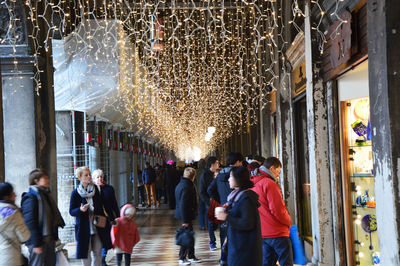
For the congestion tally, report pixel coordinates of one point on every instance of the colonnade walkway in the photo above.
(157, 245)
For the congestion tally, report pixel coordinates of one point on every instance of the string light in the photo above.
(182, 65)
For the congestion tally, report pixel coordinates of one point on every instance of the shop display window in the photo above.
(359, 176)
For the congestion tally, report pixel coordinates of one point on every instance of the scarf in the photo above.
(49, 214)
(87, 193)
(266, 170)
(233, 197)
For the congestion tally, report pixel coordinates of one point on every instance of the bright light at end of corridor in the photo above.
(192, 154)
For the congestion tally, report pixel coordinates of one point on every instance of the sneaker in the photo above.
(184, 262)
(195, 260)
(213, 247)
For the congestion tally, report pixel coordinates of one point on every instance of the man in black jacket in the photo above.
(205, 180)
(186, 206)
(219, 190)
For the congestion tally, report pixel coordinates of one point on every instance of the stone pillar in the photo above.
(135, 178)
(384, 83)
(318, 145)
(28, 117)
(2, 175)
(286, 144)
(65, 172)
(19, 123)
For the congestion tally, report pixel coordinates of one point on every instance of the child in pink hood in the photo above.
(125, 235)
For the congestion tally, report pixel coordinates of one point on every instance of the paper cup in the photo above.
(219, 209)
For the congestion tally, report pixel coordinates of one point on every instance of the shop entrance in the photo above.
(357, 169)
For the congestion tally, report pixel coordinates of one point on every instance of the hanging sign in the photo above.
(299, 79)
(340, 35)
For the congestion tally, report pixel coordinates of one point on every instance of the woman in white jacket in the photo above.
(13, 230)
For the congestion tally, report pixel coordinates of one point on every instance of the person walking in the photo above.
(241, 213)
(110, 203)
(149, 178)
(171, 179)
(13, 230)
(201, 165)
(43, 218)
(186, 206)
(219, 190)
(160, 180)
(275, 219)
(205, 180)
(92, 229)
(125, 234)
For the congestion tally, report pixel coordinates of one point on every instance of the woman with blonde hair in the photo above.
(92, 229)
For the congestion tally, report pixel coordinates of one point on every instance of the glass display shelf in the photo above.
(360, 146)
(362, 207)
(362, 176)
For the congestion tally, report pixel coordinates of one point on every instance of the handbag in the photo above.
(211, 212)
(184, 237)
(61, 260)
(100, 221)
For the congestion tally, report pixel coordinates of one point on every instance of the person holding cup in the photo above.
(241, 213)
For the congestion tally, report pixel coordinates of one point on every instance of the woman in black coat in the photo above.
(241, 212)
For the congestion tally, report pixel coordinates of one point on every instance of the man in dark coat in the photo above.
(171, 180)
(43, 218)
(205, 180)
(219, 190)
(186, 206)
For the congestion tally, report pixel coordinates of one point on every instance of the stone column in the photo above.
(384, 84)
(318, 146)
(2, 175)
(28, 117)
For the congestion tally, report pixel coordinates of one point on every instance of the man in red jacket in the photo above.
(275, 219)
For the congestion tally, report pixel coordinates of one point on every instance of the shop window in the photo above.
(359, 183)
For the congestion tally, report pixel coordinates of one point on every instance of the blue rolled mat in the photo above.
(299, 256)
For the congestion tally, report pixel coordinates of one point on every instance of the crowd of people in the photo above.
(99, 223)
(243, 200)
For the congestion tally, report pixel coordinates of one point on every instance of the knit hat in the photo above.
(130, 211)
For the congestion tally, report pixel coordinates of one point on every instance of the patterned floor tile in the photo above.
(157, 246)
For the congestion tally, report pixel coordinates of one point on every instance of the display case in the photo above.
(359, 189)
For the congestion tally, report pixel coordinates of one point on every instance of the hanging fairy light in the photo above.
(182, 65)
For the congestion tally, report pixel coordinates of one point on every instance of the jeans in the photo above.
(222, 234)
(211, 228)
(202, 213)
(94, 253)
(47, 257)
(278, 248)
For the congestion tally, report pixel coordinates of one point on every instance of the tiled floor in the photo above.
(157, 245)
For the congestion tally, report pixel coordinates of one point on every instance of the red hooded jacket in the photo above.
(125, 234)
(275, 219)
